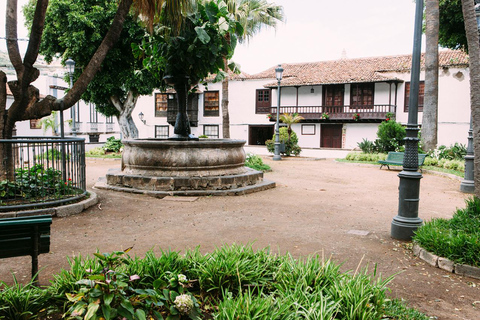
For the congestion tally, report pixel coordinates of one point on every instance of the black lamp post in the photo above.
(407, 220)
(278, 74)
(71, 69)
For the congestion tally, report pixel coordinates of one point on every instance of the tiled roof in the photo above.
(354, 70)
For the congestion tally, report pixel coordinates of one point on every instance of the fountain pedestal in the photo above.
(204, 167)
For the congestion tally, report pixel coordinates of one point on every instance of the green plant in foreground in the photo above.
(112, 293)
(19, 302)
(255, 162)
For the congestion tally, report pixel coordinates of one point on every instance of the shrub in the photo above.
(95, 152)
(390, 136)
(367, 146)
(455, 152)
(367, 157)
(113, 145)
(255, 162)
(291, 146)
(457, 239)
(203, 136)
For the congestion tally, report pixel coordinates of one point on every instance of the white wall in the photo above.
(356, 132)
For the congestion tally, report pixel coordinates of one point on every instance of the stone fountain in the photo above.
(183, 164)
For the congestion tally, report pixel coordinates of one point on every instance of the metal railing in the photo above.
(38, 172)
(372, 112)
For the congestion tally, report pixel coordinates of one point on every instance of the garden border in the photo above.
(445, 264)
(60, 211)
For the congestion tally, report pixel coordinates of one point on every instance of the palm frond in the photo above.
(170, 12)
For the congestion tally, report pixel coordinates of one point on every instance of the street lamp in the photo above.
(278, 74)
(71, 69)
(141, 116)
(407, 221)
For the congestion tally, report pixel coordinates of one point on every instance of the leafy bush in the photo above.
(232, 282)
(367, 146)
(113, 145)
(291, 146)
(457, 239)
(203, 136)
(390, 136)
(255, 162)
(455, 152)
(35, 183)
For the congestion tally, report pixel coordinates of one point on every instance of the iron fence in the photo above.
(41, 171)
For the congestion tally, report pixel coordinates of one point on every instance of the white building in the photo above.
(90, 124)
(369, 87)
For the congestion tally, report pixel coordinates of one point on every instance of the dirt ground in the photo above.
(314, 209)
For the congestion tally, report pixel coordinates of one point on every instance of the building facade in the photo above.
(342, 101)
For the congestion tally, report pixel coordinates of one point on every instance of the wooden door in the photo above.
(331, 136)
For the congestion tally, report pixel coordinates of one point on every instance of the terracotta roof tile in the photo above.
(354, 70)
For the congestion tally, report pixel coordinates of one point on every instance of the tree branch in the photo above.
(35, 38)
(12, 42)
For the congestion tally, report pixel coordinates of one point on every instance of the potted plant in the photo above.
(325, 116)
(356, 116)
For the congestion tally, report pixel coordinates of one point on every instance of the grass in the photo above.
(457, 239)
(232, 282)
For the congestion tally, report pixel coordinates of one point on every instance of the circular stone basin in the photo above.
(168, 158)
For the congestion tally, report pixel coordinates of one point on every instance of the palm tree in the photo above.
(471, 31)
(252, 16)
(430, 107)
(289, 119)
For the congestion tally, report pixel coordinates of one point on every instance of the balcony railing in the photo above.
(372, 112)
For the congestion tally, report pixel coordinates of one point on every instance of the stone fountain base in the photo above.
(188, 168)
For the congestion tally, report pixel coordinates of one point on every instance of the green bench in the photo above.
(25, 236)
(396, 159)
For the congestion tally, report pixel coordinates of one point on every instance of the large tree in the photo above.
(74, 29)
(27, 103)
(430, 107)
(252, 16)
(452, 29)
(472, 35)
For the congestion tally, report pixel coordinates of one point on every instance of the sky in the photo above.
(317, 30)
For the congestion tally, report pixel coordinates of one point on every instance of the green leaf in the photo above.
(173, 295)
(91, 310)
(127, 305)
(107, 298)
(173, 310)
(99, 256)
(202, 35)
(107, 311)
(159, 284)
(140, 314)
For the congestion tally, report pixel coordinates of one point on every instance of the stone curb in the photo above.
(61, 211)
(445, 264)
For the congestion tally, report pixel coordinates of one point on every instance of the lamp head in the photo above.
(279, 72)
(70, 66)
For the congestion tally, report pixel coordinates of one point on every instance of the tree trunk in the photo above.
(430, 107)
(225, 114)
(127, 126)
(474, 64)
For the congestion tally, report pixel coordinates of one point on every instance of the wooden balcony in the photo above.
(373, 113)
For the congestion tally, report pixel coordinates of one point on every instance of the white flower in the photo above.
(182, 278)
(183, 303)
